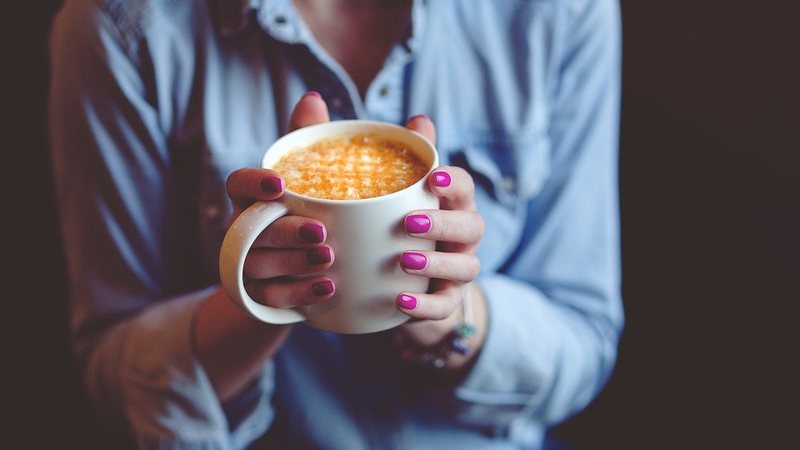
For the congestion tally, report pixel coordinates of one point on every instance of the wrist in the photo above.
(230, 345)
(448, 346)
(470, 332)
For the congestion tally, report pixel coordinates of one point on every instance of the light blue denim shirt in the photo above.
(155, 102)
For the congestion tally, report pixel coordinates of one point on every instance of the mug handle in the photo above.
(237, 242)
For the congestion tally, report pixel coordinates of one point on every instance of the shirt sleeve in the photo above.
(130, 244)
(555, 309)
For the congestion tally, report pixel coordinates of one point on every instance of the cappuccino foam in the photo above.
(359, 167)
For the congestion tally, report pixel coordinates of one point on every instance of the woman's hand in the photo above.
(292, 245)
(458, 228)
(231, 346)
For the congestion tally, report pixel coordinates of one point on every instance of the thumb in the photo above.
(423, 125)
(310, 110)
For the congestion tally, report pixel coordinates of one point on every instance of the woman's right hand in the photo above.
(292, 245)
(231, 346)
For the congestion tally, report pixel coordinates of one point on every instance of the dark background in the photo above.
(710, 197)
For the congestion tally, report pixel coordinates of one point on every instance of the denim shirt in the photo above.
(155, 102)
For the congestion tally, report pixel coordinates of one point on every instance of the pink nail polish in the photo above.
(413, 260)
(319, 255)
(419, 116)
(272, 185)
(311, 232)
(322, 288)
(406, 301)
(312, 94)
(418, 223)
(441, 179)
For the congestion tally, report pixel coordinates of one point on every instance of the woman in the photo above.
(157, 109)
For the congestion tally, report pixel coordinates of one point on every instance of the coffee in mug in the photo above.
(362, 166)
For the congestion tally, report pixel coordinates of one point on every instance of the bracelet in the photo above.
(456, 341)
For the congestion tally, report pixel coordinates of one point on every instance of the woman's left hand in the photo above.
(458, 228)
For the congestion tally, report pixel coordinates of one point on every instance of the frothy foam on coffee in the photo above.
(359, 167)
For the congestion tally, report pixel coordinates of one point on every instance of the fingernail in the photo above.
(418, 223)
(319, 255)
(406, 301)
(312, 94)
(272, 185)
(413, 260)
(419, 116)
(311, 232)
(322, 288)
(441, 179)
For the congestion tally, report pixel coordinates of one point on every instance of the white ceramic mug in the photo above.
(367, 236)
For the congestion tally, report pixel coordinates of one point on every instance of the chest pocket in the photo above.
(511, 170)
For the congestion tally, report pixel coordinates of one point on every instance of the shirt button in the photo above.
(384, 91)
(509, 184)
(280, 20)
(336, 102)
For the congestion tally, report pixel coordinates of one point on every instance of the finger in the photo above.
(285, 293)
(310, 110)
(434, 306)
(292, 232)
(463, 267)
(423, 125)
(245, 186)
(455, 186)
(464, 227)
(268, 263)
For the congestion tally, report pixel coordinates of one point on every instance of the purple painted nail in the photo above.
(319, 255)
(322, 288)
(311, 232)
(441, 179)
(413, 260)
(406, 301)
(272, 185)
(312, 94)
(418, 223)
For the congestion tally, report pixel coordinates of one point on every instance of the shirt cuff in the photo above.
(502, 384)
(168, 400)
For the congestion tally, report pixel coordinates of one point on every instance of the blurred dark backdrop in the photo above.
(711, 222)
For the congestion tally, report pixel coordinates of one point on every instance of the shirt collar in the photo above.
(235, 15)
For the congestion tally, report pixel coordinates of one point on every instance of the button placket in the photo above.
(280, 21)
(384, 100)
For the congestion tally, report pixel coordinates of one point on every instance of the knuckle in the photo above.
(479, 224)
(437, 314)
(234, 178)
(278, 235)
(289, 262)
(446, 266)
(297, 294)
(440, 309)
(465, 179)
(301, 294)
(458, 171)
(446, 224)
(251, 264)
(475, 268)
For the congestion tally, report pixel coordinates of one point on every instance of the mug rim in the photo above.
(344, 123)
